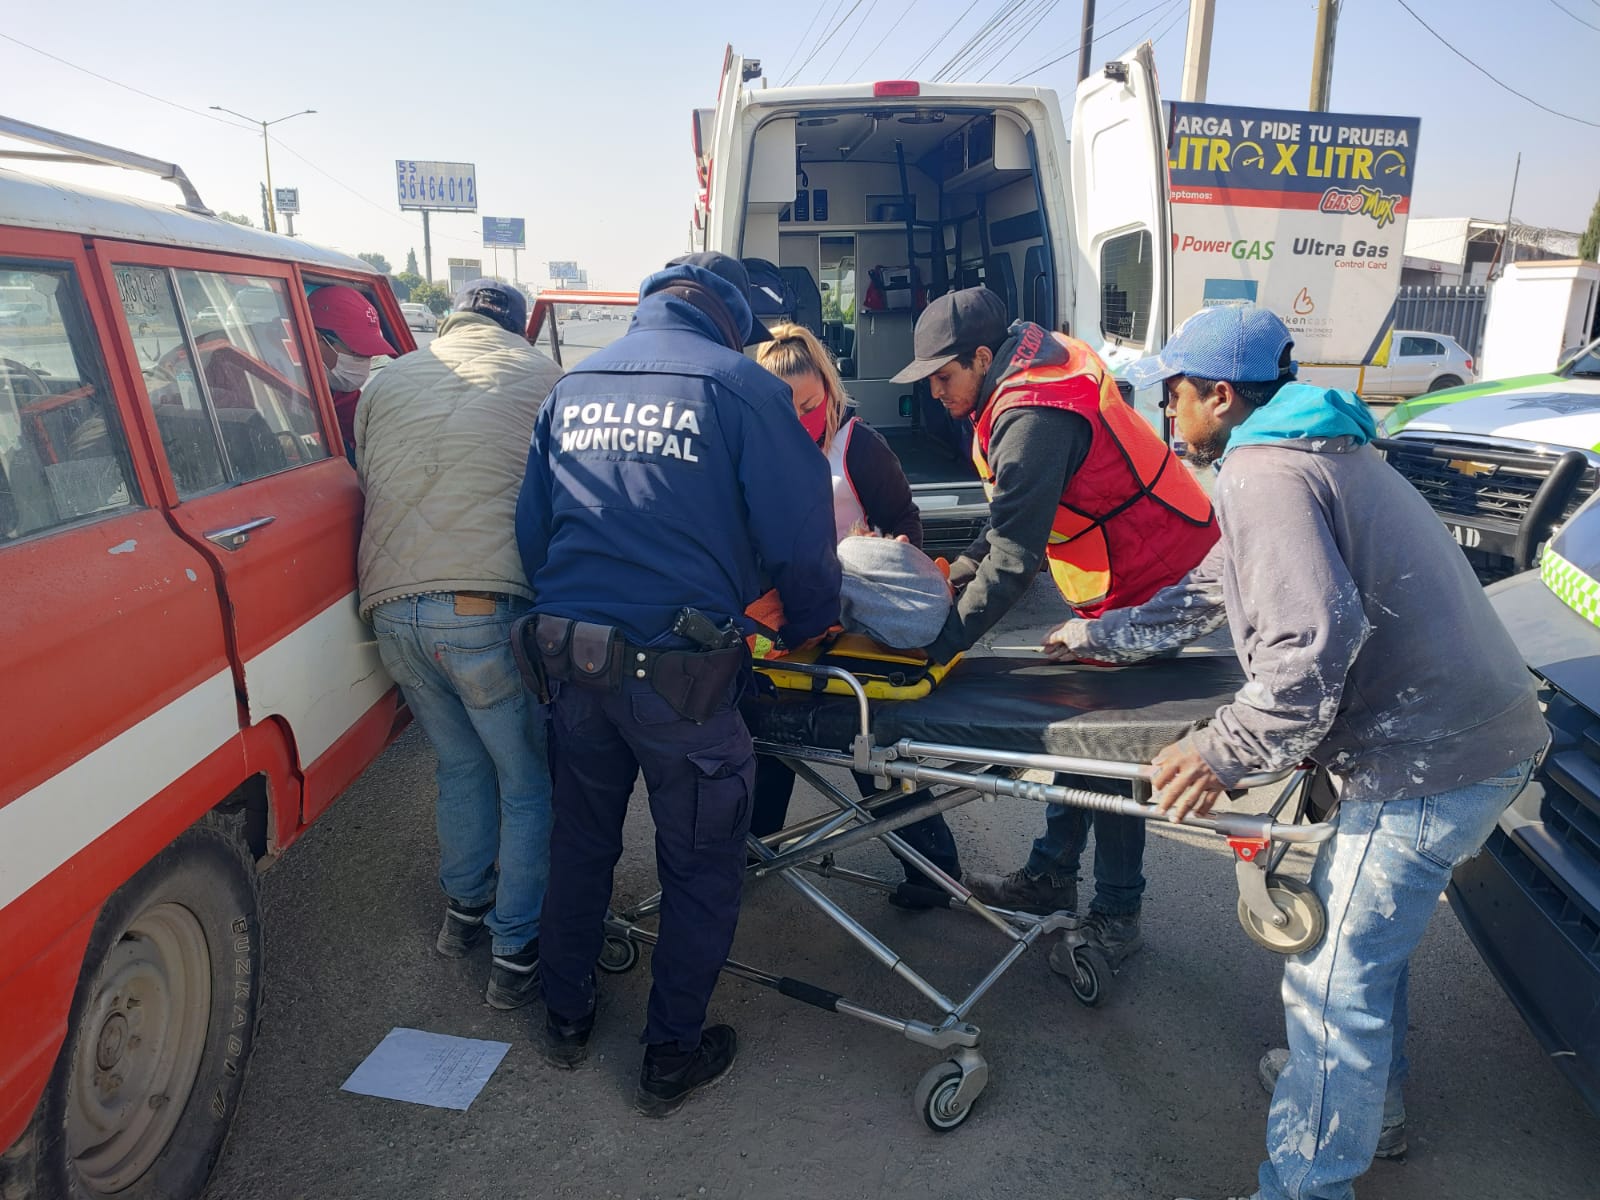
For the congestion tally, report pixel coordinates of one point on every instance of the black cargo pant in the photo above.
(700, 779)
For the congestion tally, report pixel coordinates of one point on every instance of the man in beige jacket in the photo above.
(441, 440)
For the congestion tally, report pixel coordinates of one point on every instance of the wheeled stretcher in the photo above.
(988, 723)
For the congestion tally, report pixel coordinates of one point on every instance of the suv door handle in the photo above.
(235, 536)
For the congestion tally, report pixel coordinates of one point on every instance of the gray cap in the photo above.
(954, 325)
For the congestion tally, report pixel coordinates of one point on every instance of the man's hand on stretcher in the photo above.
(1184, 782)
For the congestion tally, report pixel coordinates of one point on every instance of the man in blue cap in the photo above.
(1349, 606)
(668, 477)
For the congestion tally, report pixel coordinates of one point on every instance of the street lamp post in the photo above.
(266, 147)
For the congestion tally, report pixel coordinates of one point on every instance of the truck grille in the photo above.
(1502, 494)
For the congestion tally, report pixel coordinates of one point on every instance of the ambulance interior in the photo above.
(863, 208)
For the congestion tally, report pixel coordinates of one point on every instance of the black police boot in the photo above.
(566, 1043)
(669, 1075)
(463, 926)
(513, 978)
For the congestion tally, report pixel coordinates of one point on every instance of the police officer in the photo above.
(668, 474)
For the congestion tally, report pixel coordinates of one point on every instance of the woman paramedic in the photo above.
(870, 496)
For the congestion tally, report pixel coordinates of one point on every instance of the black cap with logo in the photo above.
(954, 325)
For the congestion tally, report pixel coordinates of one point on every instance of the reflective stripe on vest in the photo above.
(849, 517)
(1131, 520)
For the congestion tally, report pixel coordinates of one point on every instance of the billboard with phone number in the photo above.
(1302, 212)
(436, 186)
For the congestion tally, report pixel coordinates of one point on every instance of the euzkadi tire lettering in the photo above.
(161, 1027)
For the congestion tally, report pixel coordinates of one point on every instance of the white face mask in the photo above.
(349, 373)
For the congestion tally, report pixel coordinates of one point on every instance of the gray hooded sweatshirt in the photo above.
(1368, 644)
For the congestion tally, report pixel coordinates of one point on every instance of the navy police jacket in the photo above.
(668, 470)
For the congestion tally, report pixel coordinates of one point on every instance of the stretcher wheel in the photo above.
(1308, 920)
(935, 1097)
(1090, 975)
(618, 955)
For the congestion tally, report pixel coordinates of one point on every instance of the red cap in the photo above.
(346, 313)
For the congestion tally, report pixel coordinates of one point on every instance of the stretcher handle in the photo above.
(1229, 824)
(863, 713)
(1138, 772)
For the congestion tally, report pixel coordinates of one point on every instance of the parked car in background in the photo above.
(420, 318)
(1531, 901)
(1503, 463)
(1419, 362)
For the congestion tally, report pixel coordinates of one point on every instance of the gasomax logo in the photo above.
(1240, 248)
(1362, 201)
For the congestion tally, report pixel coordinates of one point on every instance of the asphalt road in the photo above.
(1151, 1095)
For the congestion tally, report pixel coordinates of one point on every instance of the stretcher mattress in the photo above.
(1027, 704)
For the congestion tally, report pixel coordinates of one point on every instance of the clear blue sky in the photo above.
(577, 114)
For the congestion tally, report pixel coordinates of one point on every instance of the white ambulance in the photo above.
(872, 197)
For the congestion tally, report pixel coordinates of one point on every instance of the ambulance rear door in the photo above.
(1119, 202)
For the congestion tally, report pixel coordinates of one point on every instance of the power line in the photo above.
(1003, 36)
(127, 87)
(801, 40)
(1100, 18)
(1001, 12)
(1574, 15)
(1178, 17)
(856, 70)
(826, 21)
(844, 44)
(1000, 52)
(939, 41)
(830, 36)
(1484, 72)
(231, 125)
(1098, 33)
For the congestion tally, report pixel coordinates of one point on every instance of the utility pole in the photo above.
(1086, 44)
(266, 146)
(1497, 265)
(427, 248)
(1197, 50)
(1322, 54)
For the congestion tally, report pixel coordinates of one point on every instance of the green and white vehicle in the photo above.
(1504, 463)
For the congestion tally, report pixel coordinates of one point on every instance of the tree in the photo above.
(402, 289)
(437, 298)
(236, 218)
(1589, 243)
(376, 261)
(411, 263)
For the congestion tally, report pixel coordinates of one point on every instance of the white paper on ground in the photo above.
(427, 1068)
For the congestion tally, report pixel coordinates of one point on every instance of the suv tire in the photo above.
(165, 1012)
(1444, 381)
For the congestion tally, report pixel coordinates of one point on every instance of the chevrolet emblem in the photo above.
(1471, 469)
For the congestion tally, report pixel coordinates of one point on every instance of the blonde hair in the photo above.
(795, 351)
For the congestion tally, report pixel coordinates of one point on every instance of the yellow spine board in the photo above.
(885, 674)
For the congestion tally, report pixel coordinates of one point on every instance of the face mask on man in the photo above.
(349, 372)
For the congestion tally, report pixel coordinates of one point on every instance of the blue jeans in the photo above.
(493, 810)
(1118, 848)
(1380, 877)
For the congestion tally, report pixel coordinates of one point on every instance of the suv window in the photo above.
(248, 411)
(1127, 281)
(63, 452)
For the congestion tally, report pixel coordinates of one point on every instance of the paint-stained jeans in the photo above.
(1380, 876)
(493, 812)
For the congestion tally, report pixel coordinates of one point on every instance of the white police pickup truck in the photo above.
(1504, 464)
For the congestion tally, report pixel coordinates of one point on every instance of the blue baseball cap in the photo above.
(1239, 343)
(500, 302)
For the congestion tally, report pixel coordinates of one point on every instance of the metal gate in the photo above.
(1456, 311)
